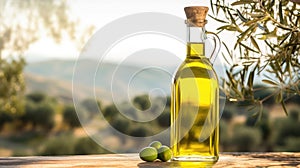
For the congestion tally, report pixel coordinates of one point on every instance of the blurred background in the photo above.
(40, 42)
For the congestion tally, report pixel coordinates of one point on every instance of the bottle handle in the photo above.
(217, 46)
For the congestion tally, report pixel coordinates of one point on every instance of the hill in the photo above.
(89, 78)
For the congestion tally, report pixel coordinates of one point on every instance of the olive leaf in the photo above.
(277, 24)
(253, 41)
(285, 37)
(269, 82)
(242, 2)
(284, 107)
(241, 16)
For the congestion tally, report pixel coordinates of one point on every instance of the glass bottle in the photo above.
(195, 97)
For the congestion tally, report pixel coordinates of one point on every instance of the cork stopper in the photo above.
(196, 15)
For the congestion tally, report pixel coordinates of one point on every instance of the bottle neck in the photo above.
(195, 41)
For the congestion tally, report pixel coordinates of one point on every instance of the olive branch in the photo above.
(267, 49)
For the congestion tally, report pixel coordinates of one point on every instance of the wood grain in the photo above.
(237, 160)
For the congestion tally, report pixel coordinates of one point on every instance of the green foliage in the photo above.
(22, 24)
(252, 119)
(168, 103)
(11, 84)
(70, 117)
(294, 115)
(246, 139)
(266, 130)
(5, 118)
(140, 132)
(28, 116)
(224, 135)
(86, 145)
(267, 45)
(236, 134)
(92, 106)
(36, 97)
(68, 144)
(121, 124)
(130, 111)
(295, 99)
(164, 120)
(265, 94)
(142, 102)
(286, 128)
(116, 119)
(227, 114)
(128, 123)
(292, 144)
(44, 116)
(110, 112)
(40, 114)
(62, 145)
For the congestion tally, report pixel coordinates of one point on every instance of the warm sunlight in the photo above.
(149, 83)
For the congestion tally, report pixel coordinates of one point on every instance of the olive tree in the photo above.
(267, 45)
(70, 117)
(39, 112)
(22, 24)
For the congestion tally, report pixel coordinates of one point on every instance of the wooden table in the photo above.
(238, 160)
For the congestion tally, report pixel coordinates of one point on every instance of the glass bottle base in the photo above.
(196, 158)
(194, 162)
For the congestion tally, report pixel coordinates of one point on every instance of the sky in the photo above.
(101, 13)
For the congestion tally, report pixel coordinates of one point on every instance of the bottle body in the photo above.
(195, 109)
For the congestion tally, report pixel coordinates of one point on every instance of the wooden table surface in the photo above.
(238, 160)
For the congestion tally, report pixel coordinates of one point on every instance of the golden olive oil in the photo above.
(194, 108)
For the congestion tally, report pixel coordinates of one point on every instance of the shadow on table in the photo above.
(15, 162)
(287, 160)
(159, 164)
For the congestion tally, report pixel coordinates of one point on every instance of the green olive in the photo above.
(155, 144)
(164, 153)
(148, 154)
